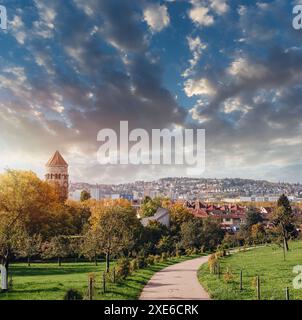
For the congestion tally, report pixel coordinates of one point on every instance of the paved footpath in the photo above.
(176, 282)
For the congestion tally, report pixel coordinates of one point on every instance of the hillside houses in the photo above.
(230, 216)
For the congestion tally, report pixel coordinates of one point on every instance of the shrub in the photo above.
(122, 268)
(164, 257)
(213, 263)
(142, 263)
(133, 264)
(72, 294)
(150, 260)
(157, 259)
(228, 276)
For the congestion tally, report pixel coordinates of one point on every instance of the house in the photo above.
(161, 215)
(230, 216)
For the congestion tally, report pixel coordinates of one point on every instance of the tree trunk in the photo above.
(286, 244)
(28, 261)
(107, 262)
(95, 260)
(4, 276)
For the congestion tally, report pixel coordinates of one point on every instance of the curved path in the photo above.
(176, 282)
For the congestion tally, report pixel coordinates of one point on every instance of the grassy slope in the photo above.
(267, 262)
(48, 281)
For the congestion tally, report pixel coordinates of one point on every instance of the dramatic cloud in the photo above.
(202, 86)
(196, 47)
(200, 16)
(157, 17)
(69, 69)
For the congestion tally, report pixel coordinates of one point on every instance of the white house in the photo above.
(161, 215)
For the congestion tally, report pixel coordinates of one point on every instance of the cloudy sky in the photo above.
(234, 68)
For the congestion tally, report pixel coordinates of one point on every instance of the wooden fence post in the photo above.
(90, 287)
(287, 293)
(104, 282)
(258, 288)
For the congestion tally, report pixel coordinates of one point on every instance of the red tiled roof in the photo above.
(56, 160)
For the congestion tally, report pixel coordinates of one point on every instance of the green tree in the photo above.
(253, 216)
(85, 195)
(212, 234)
(152, 234)
(191, 234)
(57, 247)
(116, 229)
(90, 246)
(150, 206)
(32, 246)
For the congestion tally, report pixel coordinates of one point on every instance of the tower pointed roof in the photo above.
(56, 160)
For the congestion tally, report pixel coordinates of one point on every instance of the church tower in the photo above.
(57, 172)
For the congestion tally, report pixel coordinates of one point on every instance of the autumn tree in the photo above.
(283, 219)
(25, 203)
(90, 246)
(115, 227)
(179, 215)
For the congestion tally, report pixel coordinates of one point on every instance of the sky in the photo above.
(71, 68)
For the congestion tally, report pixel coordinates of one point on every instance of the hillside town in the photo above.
(209, 190)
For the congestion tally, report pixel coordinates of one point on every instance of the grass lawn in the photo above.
(267, 262)
(48, 281)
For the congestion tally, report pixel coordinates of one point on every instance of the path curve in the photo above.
(177, 282)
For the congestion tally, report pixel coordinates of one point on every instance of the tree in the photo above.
(25, 203)
(57, 247)
(179, 215)
(191, 234)
(165, 244)
(212, 234)
(150, 206)
(283, 219)
(253, 216)
(85, 195)
(258, 233)
(152, 234)
(90, 246)
(116, 229)
(31, 247)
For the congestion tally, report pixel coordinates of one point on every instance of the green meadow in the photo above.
(267, 262)
(48, 281)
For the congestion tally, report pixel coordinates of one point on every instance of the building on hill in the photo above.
(230, 216)
(57, 173)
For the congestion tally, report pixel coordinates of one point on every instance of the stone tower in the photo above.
(57, 173)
